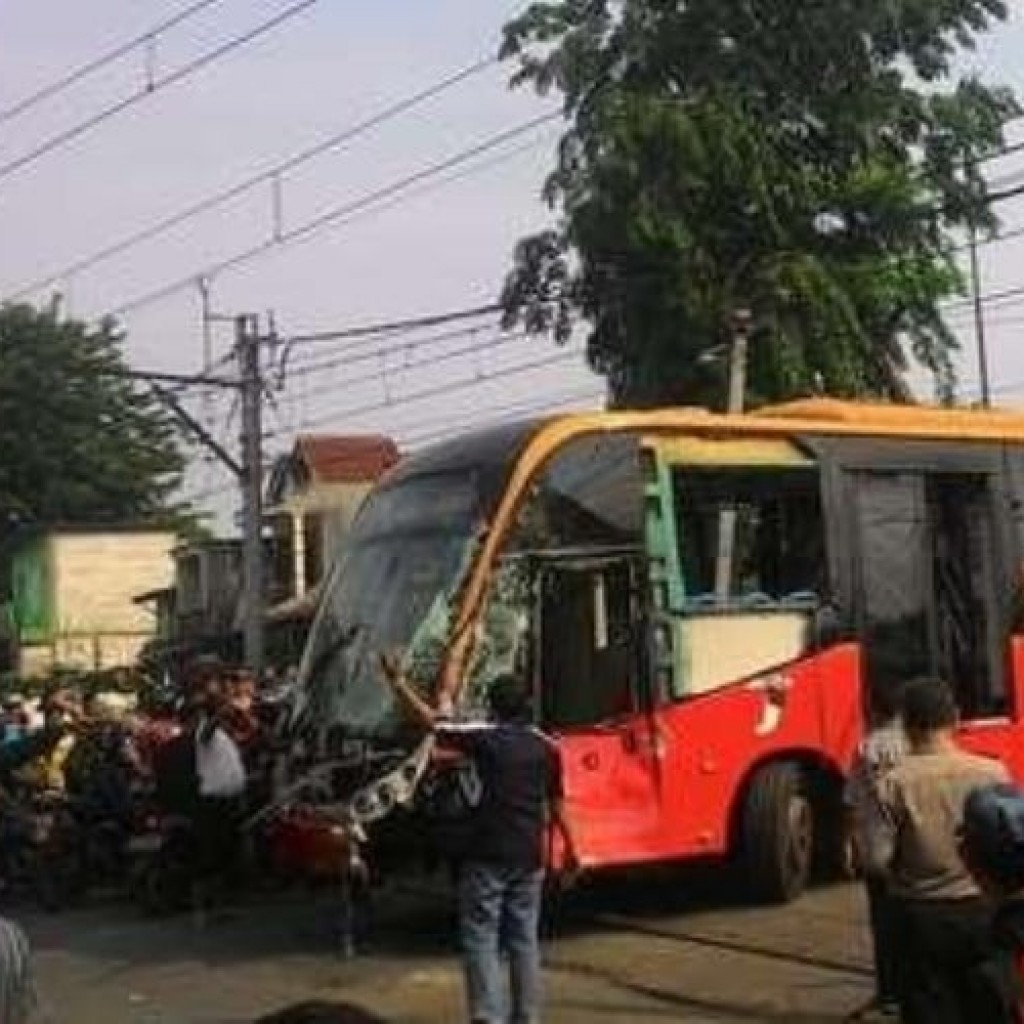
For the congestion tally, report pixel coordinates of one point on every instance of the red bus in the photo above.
(704, 604)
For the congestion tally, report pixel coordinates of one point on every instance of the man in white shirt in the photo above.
(221, 782)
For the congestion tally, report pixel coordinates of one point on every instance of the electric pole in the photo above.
(739, 353)
(979, 319)
(247, 348)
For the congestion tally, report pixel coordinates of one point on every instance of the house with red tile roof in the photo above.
(313, 495)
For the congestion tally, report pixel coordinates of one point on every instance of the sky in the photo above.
(328, 67)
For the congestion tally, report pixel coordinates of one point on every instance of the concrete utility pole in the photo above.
(739, 354)
(247, 348)
(248, 468)
(979, 320)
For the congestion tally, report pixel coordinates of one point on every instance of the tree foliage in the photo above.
(809, 161)
(79, 442)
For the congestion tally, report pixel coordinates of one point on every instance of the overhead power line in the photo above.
(269, 175)
(443, 357)
(340, 214)
(76, 131)
(1000, 154)
(351, 354)
(58, 86)
(498, 415)
(1010, 296)
(1001, 195)
(392, 326)
(440, 428)
(1002, 236)
(374, 202)
(185, 380)
(449, 387)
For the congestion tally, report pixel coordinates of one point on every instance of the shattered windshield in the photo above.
(394, 591)
(396, 585)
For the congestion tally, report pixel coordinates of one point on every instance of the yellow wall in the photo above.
(95, 577)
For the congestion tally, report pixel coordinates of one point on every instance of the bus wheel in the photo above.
(777, 834)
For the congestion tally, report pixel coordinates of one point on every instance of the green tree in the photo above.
(79, 442)
(810, 161)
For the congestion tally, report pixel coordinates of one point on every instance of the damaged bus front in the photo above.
(397, 587)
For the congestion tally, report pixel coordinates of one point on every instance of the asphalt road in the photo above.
(670, 947)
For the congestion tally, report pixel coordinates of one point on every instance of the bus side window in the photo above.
(754, 572)
(777, 550)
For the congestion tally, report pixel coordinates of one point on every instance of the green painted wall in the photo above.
(32, 592)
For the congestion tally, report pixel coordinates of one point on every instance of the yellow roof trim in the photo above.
(748, 452)
(890, 414)
(810, 416)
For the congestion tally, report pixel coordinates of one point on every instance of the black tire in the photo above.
(163, 886)
(777, 833)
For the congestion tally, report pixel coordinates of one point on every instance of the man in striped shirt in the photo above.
(17, 992)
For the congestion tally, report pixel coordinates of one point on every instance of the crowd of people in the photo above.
(938, 834)
(97, 757)
(201, 769)
(104, 762)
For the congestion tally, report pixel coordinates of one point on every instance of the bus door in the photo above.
(930, 580)
(591, 653)
(893, 577)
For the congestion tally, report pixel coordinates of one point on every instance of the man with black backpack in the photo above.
(501, 877)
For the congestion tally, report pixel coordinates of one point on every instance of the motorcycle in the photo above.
(80, 852)
(161, 857)
(37, 848)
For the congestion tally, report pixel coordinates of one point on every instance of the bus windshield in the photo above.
(395, 585)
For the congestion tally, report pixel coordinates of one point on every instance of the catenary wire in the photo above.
(61, 139)
(83, 71)
(338, 139)
(362, 331)
(449, 387)
(444, 357)
(342, 214)
(443, 428)
(403, 343)
(526, 408)
(498, 415)
(324, 146)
